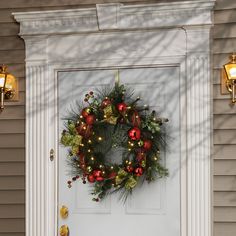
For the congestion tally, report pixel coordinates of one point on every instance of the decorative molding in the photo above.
(198, 144)
(50, 37)
(63, 21)
(108, 16)
(116, 16)
(37, 151)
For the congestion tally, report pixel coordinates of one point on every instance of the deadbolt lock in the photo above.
(64, 230)
(64, 212)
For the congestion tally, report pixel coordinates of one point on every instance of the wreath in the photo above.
(114, 143)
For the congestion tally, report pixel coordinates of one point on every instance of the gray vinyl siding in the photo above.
(224, 124)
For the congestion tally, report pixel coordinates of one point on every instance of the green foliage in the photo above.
(91, 141)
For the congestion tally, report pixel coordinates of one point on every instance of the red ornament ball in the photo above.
(134, 133)
(91, 178)
(138, 171)
(147, 145)
(130, 169)
(106, 102)
(121, 107)
(90, 119)
(85, 112)
(100, 178)
(98, 175)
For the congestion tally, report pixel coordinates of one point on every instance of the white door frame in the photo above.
(74, 39)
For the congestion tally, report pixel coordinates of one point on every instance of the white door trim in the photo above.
(55, 40)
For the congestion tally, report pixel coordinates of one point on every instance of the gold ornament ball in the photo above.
(143, 164)
(88, 110)
(89, 169)
(140, 143)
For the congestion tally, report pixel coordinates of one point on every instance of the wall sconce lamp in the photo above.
(8, 86)
(229, 78)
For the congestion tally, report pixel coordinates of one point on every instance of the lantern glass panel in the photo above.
(2, 80)
(10, 83)
(230, 71)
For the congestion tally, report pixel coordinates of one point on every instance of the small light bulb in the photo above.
(89, 150)
(232, 72)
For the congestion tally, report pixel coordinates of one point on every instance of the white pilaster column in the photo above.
(198, 92)
(37, 141)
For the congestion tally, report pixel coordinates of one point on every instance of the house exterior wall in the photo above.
(12, 120)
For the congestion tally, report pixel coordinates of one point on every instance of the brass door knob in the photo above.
(64, 230)
(64, 212)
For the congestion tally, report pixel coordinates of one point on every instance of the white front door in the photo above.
(153, 209)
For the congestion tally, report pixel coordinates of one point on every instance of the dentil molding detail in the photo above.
(116, 16)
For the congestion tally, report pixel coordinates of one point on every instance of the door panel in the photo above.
(154, 208)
